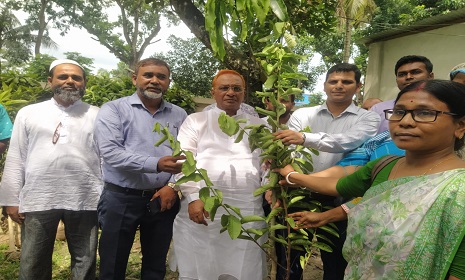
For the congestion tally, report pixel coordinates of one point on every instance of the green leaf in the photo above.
(190, 157)
(210, 202)
(193, 177)
(252, 218)
(278, 226)
(234, 227)
(233, 208)
(205, 177)
(160, 141)
(279, 9)
(269, 83)
(228, 124)
(278, 28)
(322, 246)
(295, 199)
(239, 136)
(330, 230)
(204, 193)
(322, 236)
(157, 127)
(188, 168)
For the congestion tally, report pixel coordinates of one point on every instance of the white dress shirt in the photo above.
(334, 136)
(40, 175)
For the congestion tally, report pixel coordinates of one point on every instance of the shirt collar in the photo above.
(353, 109)
(135, 100)
(218, 110)
(63, 108)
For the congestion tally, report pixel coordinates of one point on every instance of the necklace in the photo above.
(437, 164)
(427, 171)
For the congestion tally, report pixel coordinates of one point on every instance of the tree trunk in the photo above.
(244, 63)
(347, 39)
(42, 26)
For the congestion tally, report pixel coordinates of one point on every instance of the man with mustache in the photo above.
(408, 69)
(52, 173)
(137, 174)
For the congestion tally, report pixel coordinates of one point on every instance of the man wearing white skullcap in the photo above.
(457, 74)
(52, 173)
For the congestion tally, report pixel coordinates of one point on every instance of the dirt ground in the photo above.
(313, 271)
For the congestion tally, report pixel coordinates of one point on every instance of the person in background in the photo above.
(369, 102)
(5, 129)
(410, 222)
(137, 174)
(408, 69)
(52, 173)
(457, 74)
(338, 126)
(201, 251)
(288, 104)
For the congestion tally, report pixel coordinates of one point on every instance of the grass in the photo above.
(9, 263)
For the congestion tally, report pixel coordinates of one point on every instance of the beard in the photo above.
(151, 95)
(68, 96)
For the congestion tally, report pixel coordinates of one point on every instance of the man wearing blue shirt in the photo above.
(135, 173)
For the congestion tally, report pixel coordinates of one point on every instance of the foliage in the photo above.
(39, 67)
(122, 70)
(192, 65)
(315, 99)
(129, 35)
(181, 97)
(101, 89)
(85, 62)
(18, 90)
(15, 39)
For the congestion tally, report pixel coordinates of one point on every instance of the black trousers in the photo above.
(120, 214)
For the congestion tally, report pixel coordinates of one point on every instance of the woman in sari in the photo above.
(410, 223)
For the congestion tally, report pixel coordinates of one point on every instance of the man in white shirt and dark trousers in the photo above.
(338, 127)
(52, 173)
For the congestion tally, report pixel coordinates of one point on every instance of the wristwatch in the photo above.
(173, 186)
(303, 137)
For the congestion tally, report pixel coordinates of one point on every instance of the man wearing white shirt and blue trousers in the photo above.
(52, 173)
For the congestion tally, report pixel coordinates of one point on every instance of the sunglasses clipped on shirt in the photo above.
(56, 134)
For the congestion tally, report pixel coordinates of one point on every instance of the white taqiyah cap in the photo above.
(64, 61)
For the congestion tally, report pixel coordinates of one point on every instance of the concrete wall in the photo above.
(445, 47)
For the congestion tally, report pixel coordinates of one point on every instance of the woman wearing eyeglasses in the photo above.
(410, 223)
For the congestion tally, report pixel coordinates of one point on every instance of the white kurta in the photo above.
(201, 252)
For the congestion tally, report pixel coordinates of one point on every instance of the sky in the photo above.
(79, 40)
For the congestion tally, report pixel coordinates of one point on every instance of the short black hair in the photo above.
(345, 67)
(411, 59)
(151, 61)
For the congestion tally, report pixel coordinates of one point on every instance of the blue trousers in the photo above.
(38, 233)
(120, 215)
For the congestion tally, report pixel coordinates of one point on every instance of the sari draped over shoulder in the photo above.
(407, 228)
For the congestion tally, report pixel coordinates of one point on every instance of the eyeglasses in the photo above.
(227, 88)
(418, 115)
(56, 134)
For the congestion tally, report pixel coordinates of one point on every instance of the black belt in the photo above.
(142, 193)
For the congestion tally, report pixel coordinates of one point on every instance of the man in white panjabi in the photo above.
(200, 250)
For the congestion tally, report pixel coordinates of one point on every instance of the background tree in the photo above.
(192, 65)
(128, 36)
(86, 62)
(241, 39)
(351, 14)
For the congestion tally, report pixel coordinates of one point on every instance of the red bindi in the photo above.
(411, 100)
